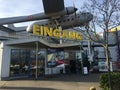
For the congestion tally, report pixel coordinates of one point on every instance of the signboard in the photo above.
(103, 66)
(48, 31)
(85, 71)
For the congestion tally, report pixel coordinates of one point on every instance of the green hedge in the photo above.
(115, 80)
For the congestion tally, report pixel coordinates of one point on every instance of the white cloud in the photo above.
(10, 8)
(20, 7)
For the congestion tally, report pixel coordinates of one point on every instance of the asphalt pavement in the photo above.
(56, 82)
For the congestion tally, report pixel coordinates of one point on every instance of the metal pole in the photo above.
(60, 28)
(81, 58)
(89, 47)
(45, 62)
(36, 76)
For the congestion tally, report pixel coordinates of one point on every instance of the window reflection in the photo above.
(55, 57)
(19, 62)
(32, 63)
(15, 64)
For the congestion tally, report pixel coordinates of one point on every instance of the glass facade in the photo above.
(55, 57)
(15, 62)
(23, 62)
(50, 61)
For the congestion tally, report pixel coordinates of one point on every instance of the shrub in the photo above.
(115, 81)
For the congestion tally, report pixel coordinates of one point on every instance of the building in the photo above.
(19, 50)
(23, 54)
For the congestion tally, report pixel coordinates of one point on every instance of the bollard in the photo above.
(92, 88)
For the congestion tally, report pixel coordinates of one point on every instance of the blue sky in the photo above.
(9, 8)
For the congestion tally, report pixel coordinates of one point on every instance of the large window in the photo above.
(40, 64)
(15, 62)
(55, 57)
(23, 62)
(19, 62)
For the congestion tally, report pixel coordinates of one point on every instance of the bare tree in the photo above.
(106, 14)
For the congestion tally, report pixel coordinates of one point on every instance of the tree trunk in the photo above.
(108, 62)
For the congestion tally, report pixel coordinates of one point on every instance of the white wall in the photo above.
(5, 61)
(1, 50)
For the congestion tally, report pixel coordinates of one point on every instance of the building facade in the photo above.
(23, 54)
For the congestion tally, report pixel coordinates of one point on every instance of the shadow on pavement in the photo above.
(26, 88)
(92, 77)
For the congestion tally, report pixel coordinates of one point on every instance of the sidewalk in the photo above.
(61, 82)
